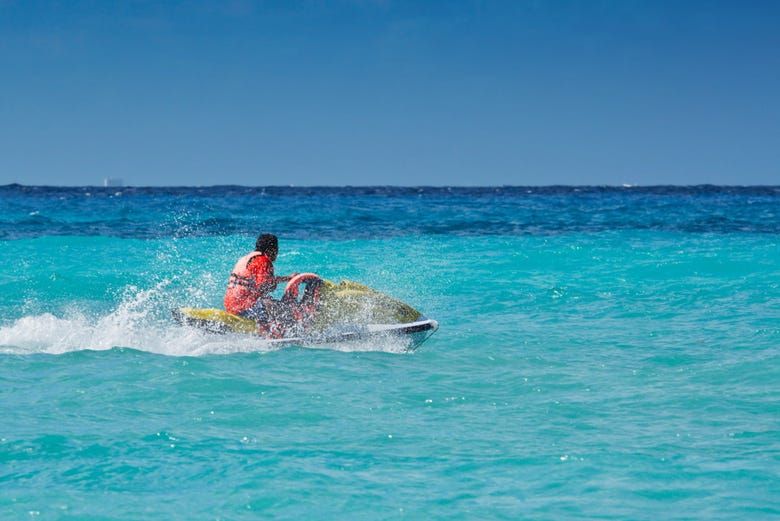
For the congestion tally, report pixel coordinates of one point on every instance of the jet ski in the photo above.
(314, 311)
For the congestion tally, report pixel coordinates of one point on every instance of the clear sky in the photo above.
(386, 92)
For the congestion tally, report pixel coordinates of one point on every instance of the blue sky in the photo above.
(385, 92)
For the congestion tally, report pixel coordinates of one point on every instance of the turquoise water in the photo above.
(603, 354)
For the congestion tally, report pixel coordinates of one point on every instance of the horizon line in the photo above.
(556, 185)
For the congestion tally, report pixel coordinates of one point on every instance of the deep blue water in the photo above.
(373, 212)
(604, 353)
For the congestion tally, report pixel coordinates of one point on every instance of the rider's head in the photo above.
(268, 244)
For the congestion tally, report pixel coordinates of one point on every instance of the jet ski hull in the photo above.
(411, 334)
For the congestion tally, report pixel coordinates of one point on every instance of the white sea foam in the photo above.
(142, 321)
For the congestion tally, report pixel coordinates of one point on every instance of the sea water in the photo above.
(603, 353)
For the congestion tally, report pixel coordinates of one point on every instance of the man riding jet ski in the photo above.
(311, 311)
(251, 283)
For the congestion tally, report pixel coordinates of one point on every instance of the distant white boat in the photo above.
(112, 182)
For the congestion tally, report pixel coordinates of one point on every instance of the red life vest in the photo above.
(242, 289)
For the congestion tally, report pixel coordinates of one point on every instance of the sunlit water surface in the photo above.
(603, 354)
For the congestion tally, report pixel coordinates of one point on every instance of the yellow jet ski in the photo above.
(317, 311)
